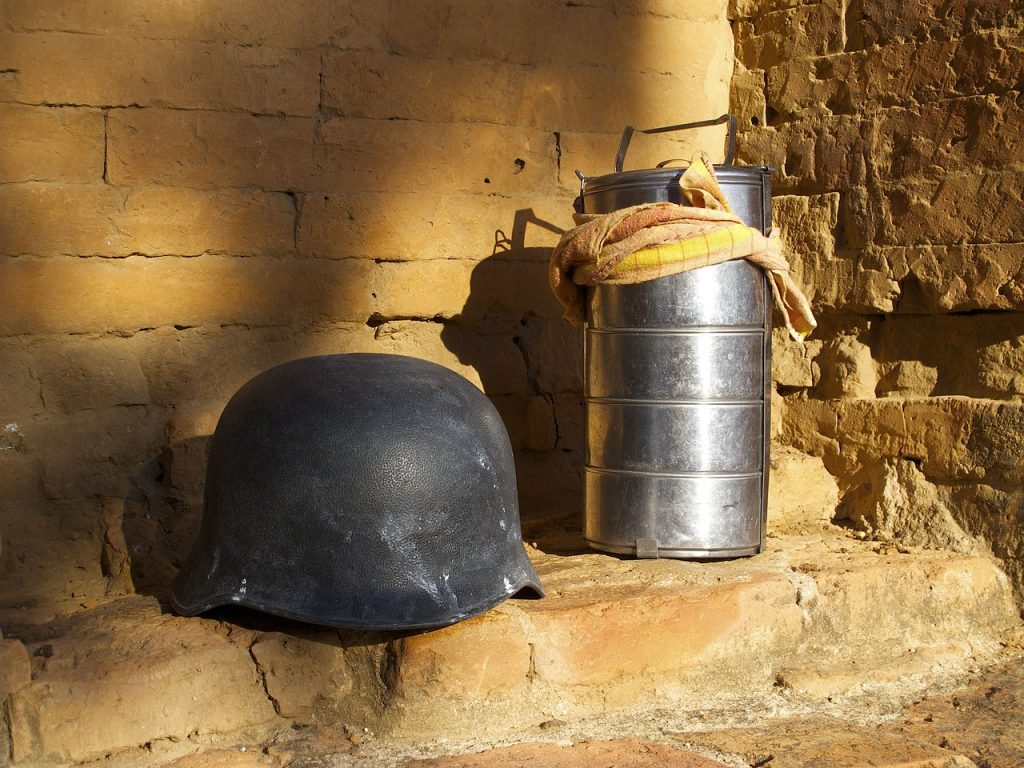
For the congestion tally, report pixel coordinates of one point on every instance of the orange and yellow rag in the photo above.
(645, 242)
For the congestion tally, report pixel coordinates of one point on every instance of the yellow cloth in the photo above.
(645, 242)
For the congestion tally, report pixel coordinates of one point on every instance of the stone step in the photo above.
(821, 615)
(817, 617)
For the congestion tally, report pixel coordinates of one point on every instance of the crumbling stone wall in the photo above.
(896, 131)
(193, 192)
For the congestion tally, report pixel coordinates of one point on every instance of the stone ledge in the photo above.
(612, 633)
(816, 615)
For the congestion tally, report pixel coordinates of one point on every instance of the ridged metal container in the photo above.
(677, 388)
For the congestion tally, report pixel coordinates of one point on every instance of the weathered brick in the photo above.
(547, 96)
(989, 62)
(981, 355)
(881, 21)
(791, 33)
(410, 226)
(570, 417)
(27, 223)
(20, 391)
(436, 158)
(484, 657)
(812, 155)
(597, 100)
(948, 137)
(693, 10)
(745, 9)
(581, 641)
(51, 144)
(300, 24)
(870, 601)
(800, 491)
(808, 227)
(955, 439)
(79, 373)
(15, 667)
(957, 278)
(118, 221)
(956, 208)
(50, 559)
(554, 351)
(122, 675)
(157, 220)
(199, 369)
(286, 660)
(746, 97)
(448, 288)
(793, 364)
(898, 74)
(97, 452)
(128, 294)
(491, 361)
(580, 35)
(73, 69)
(381, 86)
(210, 149)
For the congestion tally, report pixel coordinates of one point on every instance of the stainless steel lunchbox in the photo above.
(677, 385)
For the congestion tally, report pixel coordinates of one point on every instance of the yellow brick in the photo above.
(210, 149)
(59, 68)
(411, 156)
(97, 452)
(792, 33)
(117, 221)
(446, 288)
(28, 223)
(63, 295)
(532, 32)
(201, 368)
(411, 226)
(50, 144)
(80, 373)
(480, 658)
(950, 136)
(297, 24)
(128, 676)
(492, 362)
(885, 20)
(560, 97)
(581, 641)
(375, 85)
(19, 387)
(956, 208)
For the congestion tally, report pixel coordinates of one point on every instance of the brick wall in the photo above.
(896, 131)
(193, 192)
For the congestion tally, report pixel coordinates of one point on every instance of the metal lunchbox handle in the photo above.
(730, 151)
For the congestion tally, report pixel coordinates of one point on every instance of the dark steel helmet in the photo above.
(364, 491)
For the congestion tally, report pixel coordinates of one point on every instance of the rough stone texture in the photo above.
(61, 145)
(894, 134)
(300, 671)
(800, 491)
(15, 667)
(819, 617)
(611, 633)
(122, 675)
(627, 753)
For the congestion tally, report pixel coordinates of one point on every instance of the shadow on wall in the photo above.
(264, 190)
(545, 421)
